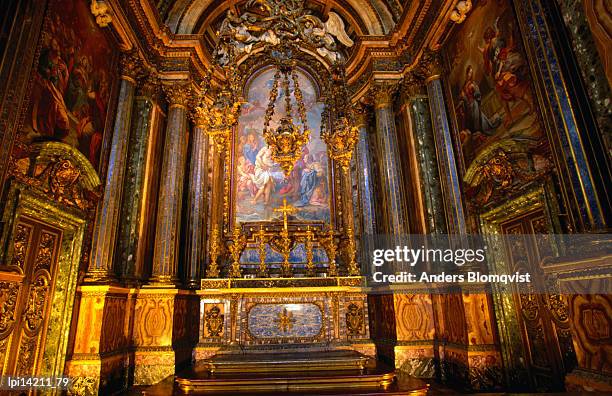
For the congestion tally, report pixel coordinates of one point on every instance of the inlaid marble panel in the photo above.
(285, 320)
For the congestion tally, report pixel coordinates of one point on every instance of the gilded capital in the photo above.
(178, 93)
(413, 85)
(149, 85)
(361, 115)
(382, 94)
(430, 66)
(131, 66)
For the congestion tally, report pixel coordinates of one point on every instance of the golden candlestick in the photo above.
(213, 268)
(261, 247)
(309, 252)
(285, 251)
(236, 248)
(353, 268)
(329, 243)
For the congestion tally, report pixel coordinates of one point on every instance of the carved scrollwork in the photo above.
(131, 65)
(102, 11)
(45, 251)
(8, 304)
(178, 94)
(277, 22)
(33, 314)
(214, 321)
(354, 319)
(60, 181)
(20, 244)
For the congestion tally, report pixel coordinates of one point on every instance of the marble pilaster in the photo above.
(106, 226)
(168, 225)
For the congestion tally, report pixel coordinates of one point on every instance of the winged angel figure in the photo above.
(279, 21)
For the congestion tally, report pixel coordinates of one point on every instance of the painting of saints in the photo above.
(260, 184)
(493, 99)
(267, 175)
(71, 90)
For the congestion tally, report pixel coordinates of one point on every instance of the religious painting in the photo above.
(260, 184)
(72, 81)
(502, 141)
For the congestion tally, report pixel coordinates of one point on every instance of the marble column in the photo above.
(584, 170)
(364, 176)
(450, 180)
(168, 225)
(390, 164)
(108, 215)
(139, 181)
(422, 155)
(197, 213)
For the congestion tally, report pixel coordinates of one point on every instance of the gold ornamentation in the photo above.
(178, 93)
(285, 210)
(45, 251)
(270, 23)
(286, 243)
(217, 119)
(429, 66)
(82, 386)
(60, 180)
(341, 141)
(8, 303)
(102, 11)
(354, 319)
(213, 267)
(287, 141)
(214, 322)
(261, 248)
(330, 246)
(285, 320)
(131, 65)
(310, 268)
(353, 268)
(20, 244)
(238, 243)
(338, 128)
(460, 11)
(35, 306)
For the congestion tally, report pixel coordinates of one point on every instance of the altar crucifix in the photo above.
(285, 210)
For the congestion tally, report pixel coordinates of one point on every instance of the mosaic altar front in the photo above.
(306, 316)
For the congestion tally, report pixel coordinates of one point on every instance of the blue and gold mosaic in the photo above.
(285, 320)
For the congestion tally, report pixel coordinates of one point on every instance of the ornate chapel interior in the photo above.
(188, 188)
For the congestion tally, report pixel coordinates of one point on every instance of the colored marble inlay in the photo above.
(285, 320)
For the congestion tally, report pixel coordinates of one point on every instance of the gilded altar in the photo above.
(286, 313)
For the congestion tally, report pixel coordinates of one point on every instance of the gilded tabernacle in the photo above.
(305, 197)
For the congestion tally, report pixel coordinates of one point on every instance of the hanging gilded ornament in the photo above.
(287, 141)
(338, 129)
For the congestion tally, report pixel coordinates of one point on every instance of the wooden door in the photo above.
(27, 285)
(542, 316)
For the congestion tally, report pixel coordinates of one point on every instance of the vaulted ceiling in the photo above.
(375, 17)
(390, 36)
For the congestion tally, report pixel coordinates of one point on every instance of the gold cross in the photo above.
(285, 210)
(285, 320)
